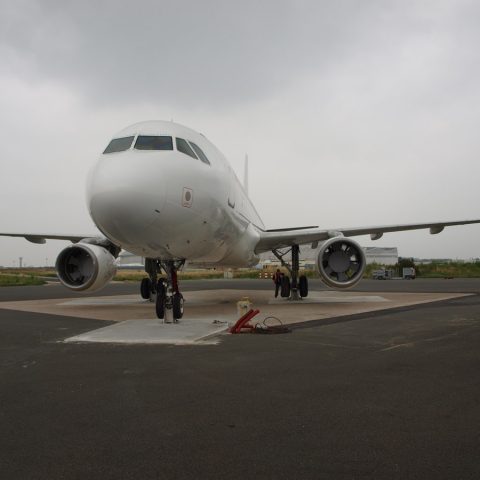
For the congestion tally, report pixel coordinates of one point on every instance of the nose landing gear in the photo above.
(163, 291)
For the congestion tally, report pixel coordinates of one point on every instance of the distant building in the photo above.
(427, 261)
(129, 260)
(383, 256)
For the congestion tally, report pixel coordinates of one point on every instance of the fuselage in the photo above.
(161, 190)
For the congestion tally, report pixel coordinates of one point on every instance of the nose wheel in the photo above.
(163, 291)
(146, 288)
(177, 305)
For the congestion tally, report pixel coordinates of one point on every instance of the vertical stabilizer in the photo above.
(245, 175)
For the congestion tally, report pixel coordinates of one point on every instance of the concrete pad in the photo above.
(148, 331)
(202, 308)
(326, 298)
(124, 299)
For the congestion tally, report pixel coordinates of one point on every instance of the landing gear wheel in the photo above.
(160, 302)
(303, 286)
(285, 288)
(145, 288)
(177, 305)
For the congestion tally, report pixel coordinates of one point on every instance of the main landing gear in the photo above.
(163, 291)
(298, 287)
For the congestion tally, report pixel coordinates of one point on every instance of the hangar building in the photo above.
(383, 256)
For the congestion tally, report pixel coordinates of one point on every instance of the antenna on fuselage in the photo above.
(245, 175)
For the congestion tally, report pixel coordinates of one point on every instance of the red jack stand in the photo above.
(242, 321)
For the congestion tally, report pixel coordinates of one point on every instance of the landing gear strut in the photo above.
(164, 291)
(298, 287)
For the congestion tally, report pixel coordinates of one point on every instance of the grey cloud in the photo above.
(197, 54)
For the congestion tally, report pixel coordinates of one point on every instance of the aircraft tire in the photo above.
(285, 288)
(145, 288)
(177, 305)
(303, 286)
(161, 300)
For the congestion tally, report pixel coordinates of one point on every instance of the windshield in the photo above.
(119, 145)
(149, 142)
(200, 153)
(184, 147)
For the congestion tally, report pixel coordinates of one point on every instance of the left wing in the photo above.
(273, 239)
(42, 238)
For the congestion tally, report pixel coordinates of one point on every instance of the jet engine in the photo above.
(341, 262)
(85, 267)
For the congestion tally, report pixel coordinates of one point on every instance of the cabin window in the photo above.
(199, 153)
(119, 145)
(150, 142)
(184, 147)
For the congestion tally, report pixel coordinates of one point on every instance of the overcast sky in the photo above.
(352, 112)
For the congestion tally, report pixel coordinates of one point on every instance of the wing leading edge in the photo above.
(273, 239)
(42, 238)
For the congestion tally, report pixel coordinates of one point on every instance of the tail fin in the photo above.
(245, 175)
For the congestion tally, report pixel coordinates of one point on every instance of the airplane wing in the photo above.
(42, 238)
(281, 238)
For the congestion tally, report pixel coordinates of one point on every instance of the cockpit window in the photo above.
(119, 145)
(149, 142)
(200, 153)
(184, 147)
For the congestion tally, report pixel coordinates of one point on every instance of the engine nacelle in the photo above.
(85, 267)
(341, 262)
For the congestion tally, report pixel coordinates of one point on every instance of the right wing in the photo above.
(273, 239)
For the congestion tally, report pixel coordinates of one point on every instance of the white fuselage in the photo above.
(165, 204)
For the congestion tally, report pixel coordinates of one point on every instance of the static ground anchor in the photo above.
(242, 324)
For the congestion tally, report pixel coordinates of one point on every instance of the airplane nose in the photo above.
(122, 212)
(123, 202)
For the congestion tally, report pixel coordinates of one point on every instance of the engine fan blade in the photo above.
(354, 266)
(342, 276)
(335, 247)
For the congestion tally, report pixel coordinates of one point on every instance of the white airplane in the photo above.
(163, 191)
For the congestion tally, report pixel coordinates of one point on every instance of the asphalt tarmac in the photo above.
(391, 394)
